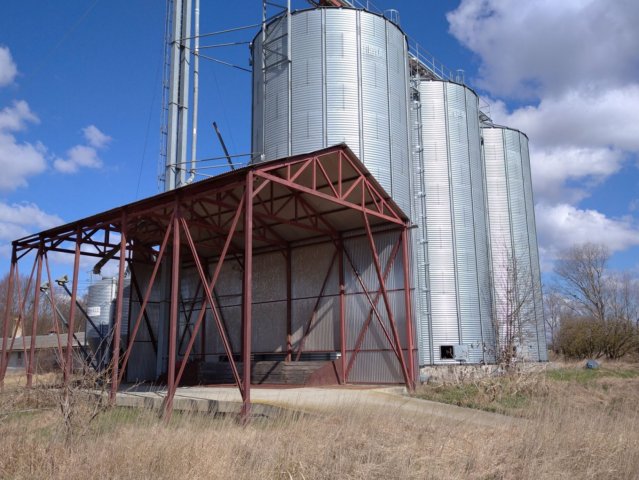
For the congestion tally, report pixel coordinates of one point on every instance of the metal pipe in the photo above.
(196, 81)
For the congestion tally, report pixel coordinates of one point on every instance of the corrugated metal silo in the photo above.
(101, 301)
(452, 267)
(347, 81)
(517, 300)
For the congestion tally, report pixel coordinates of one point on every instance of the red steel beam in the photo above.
(342, 309)
(387, 304)
(21, 304)
(247, 299)
(366, 325)
(68, 361)
(147, 296)
(218, 321)
(209, 297)
(34, 321)
(175, 291)
(7, 314)
(53, 306)
(339, 201)
(408, 304)
(118, 311)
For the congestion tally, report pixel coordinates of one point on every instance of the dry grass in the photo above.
(575, 428)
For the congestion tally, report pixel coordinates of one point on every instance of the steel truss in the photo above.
(314, 198)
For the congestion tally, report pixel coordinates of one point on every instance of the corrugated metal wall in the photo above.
(349, 84)
(513, 237)
(310, 266)
(452, 265)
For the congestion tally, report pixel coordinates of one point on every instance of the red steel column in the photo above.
(175, 294)
(68, 361)
(118, 312)
(407, 301)
(342, 308)
(247, 299)
(34, 323)
(7, 314)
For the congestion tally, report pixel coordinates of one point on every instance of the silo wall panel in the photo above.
(343, 78)
(307, 66)
(376, 367)
(310, 267)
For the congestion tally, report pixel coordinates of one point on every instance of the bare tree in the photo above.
(582, 272)
(556, 309)
(514, 316)
(609, 299)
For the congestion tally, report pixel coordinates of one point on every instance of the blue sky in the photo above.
(80, 94)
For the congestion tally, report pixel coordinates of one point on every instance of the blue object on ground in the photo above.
(592, 364)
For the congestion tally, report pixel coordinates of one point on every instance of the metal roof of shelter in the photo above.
(312, 208)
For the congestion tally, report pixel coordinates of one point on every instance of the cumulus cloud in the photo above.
(8, 68)
(566, 174)
(21, 219)
(18, 160)
(561, 226)
(83, 156)
(549, 46)
(78, 157)
(584, 117)
(95, 137)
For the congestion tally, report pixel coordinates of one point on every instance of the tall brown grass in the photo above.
(573, 429)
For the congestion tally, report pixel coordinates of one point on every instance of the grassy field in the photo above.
(573, 424)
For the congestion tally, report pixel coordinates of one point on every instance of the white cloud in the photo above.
(554, 169)
(16, 117)
(95, 137)
(18, 160)
(84, 156)
(561, 226)
(8, 68)
(21, 219)
(587, 118)
(549, 45)
(78, 157)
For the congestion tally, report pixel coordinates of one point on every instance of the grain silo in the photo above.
(452, 267)
(100, 309)
(346, 82)
(517, 302)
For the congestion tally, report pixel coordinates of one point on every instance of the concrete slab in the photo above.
(271, 402)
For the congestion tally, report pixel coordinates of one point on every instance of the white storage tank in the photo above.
(451, 249)
(101, 303)
(517, 300)
(346, 82)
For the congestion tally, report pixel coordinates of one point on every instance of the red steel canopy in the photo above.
(316, 197)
